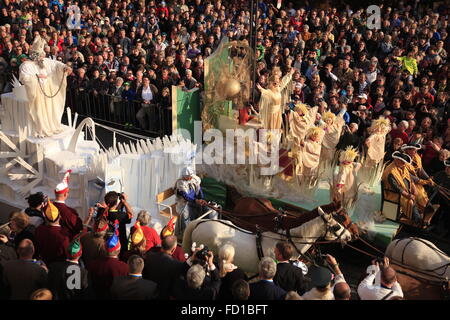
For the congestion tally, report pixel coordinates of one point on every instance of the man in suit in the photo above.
(288, 277)
(162, 268)
(133, 286)
(69, 216)
(103, 270)
(60, 275)
(194, 287)
(23, 276)
(265, 288)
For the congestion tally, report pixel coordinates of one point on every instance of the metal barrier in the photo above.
(129, 114)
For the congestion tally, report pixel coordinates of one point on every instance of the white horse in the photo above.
(420, 254)
(216, 233)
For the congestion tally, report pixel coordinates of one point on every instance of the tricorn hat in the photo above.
(401, 156)
(411, 146)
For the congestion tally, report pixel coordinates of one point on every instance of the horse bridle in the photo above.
(331, 229)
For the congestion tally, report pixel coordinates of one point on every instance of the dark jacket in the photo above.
(164, 270)
(133, 288)
(208, 291)
(58, 280)
(154, 92)
(266, 290)
(290, 278)
(228, 281)
(22, 277)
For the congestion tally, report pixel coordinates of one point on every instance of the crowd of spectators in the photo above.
(136, 50)
(42, 259)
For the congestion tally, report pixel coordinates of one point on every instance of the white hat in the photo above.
(186, 172)
(401, 156)
(63, 187)
(363, 96)
(38, 45)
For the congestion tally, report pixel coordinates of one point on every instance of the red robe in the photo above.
(151, 237)
(69, 219)
(52, 242)
(102, 272)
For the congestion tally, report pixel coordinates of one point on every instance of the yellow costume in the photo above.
(414, 168)
(400, 175)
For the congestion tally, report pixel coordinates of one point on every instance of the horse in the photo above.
(423, 270)
(250, 246)
(250, 212)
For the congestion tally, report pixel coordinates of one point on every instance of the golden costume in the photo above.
(415, 168)
(403, 179)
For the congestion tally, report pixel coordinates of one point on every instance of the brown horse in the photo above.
(259, 213)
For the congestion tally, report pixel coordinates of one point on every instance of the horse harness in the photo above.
(278, 225)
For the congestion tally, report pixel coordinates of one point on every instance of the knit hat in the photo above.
(137, 237)
(63, 187)
(112, 243)
(74, 250)
(51, 212)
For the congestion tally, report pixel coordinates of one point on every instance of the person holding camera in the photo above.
(380, 282)
(202, 280)
(119, 209)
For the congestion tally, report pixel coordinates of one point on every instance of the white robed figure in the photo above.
(345, 186)
(274, 99)
(45, 82)
(375, 143)
(300, 120)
